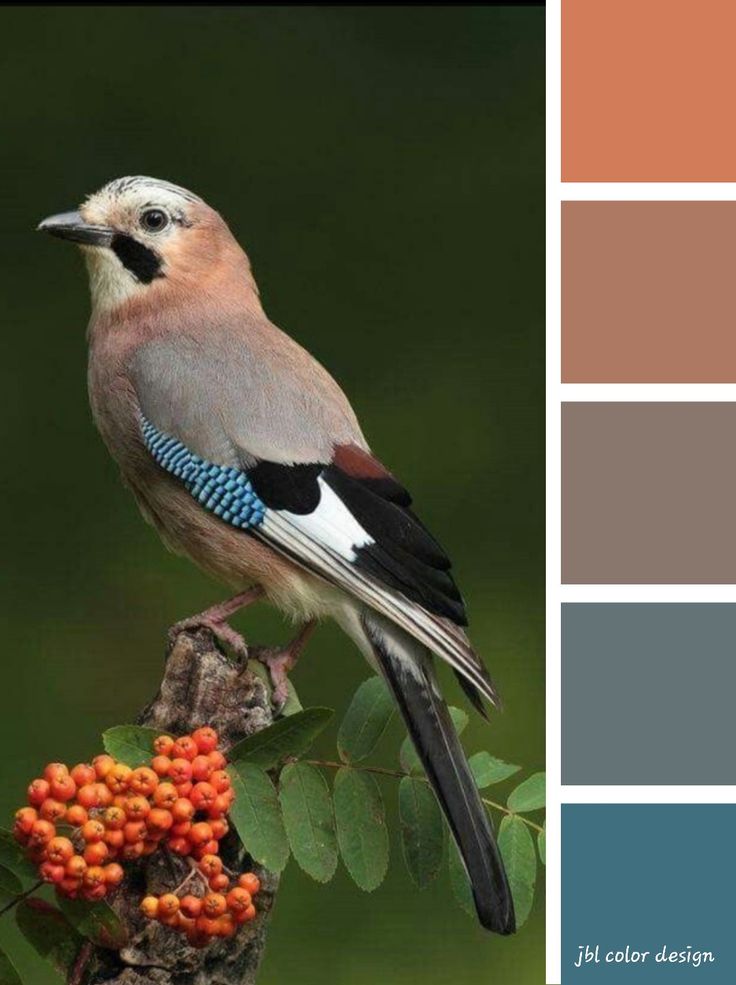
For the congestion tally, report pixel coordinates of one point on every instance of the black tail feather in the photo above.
(408, 670)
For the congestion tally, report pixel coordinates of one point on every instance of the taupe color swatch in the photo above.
(649, 292)
(649, 493)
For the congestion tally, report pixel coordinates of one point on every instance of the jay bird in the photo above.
(247, 457)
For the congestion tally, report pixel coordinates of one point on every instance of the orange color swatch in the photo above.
(647, 90)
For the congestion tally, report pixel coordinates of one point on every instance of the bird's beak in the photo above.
(71, 226)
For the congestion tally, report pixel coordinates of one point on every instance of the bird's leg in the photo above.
(215, 619)
(280, 662)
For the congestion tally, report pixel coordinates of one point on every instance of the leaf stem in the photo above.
(17, 899)
(400, 774)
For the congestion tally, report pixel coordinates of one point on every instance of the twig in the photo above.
(17, 899)
(400, 774)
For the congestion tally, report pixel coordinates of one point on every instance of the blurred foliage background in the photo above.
(384, 169)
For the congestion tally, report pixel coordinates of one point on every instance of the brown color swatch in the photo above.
(647, 90)
(649, 493)
(648, 292)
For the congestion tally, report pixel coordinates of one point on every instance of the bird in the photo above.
(247, 457)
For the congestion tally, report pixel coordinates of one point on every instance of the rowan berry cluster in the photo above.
(111, 814)
(219, 912)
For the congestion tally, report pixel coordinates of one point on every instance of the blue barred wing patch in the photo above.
(222, 490)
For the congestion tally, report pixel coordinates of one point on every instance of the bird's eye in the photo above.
(154, 220)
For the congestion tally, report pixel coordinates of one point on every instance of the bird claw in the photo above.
(222, 631)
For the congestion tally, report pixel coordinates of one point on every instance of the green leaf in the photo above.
(97, 921)
(8, 973)
(542, 844)
(309, 819)
(256, 814)
(130, 744)
(10, 884)
(486, 769)
(408, 755)
(459, 880)
(529, 795)
(366, 720)
(13, 858)
(422, 830)
(520, 861)
(361, 827)
(49, 932)
(290, 736)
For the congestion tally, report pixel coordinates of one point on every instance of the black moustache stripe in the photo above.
(143, 263)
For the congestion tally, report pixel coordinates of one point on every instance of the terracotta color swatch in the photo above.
(649, 493)
(647, 90)
(648, 292)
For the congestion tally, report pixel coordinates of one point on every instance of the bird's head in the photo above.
(144, 238)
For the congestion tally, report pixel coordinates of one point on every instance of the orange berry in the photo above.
(24, 819)
(165, 795)
(220, 828)
(96, 853)
(131, 853)
(210, 865)
(94, 875)
(93, 830)
(150, 845)
(143, 781)
(168, 905)
(159, 820)
(68, 887)
(206, 926)
(162, 745)
(149, 907)
(55, 771)
(52, 810)
(76, 867)
(214, 905)
(96, 892)
(181, 830)
(105, 796)
(184, 747)
(76, 815)
(161, 765)
(238, 899)
(83, 773)
(184, 789)
(180, 770)
(182, 809)
(51, 872)
(38, 791)
(205, 739)
(219, 883)
(118, 777)
(59, 851)
(87, 796)
(250, 914)
(201, 768)
(137, 808)
(41, 833)
(217, 759)
(114, 818)
(201, 833)
(114, 874)
(180, 846)
(191, 906)
(251, 882)
(220, 780)
(203, 796)
(134, 831)
(102, 765)
(208, 848)
(114, 839)
(63, 788)
(220, 806)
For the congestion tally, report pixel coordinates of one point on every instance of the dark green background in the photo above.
(384, 169)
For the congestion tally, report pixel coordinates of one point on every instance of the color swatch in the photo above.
(646, 893)
(666, 671)
(648, 292)
(647, 90)
(648, 493)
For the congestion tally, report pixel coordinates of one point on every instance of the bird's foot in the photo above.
(215, 619)
(281, 662)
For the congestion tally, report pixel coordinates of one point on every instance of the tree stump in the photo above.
(201, 686)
